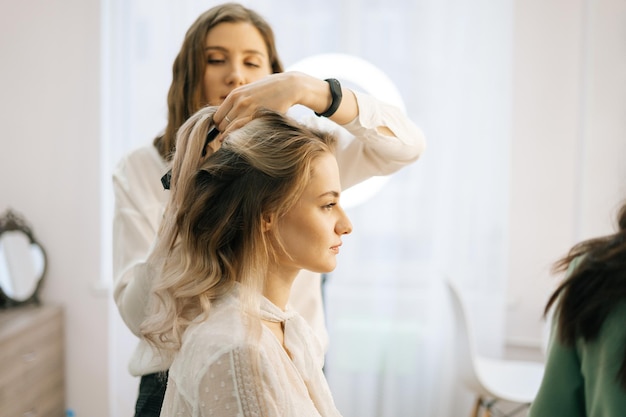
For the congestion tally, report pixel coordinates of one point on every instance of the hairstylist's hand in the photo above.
(277, 92)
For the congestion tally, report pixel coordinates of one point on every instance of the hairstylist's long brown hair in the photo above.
(185, 95)
(593, 289)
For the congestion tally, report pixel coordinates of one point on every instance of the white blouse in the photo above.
(212, 374)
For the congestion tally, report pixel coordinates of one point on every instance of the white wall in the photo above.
(50, 170)
(569, 143)
(567, 175)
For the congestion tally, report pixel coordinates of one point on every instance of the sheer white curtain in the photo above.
(444, 215)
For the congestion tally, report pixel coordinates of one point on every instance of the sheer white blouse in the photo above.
(212, 374)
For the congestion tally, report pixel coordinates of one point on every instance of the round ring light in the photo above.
(364, 76)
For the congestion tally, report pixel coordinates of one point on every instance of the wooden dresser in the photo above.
(32, 362)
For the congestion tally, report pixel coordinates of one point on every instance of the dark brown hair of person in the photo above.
(594, 288)
(185, 95)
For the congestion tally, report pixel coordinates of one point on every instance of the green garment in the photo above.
(582, 380)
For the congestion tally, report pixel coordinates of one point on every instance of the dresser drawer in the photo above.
(25, 348)
(32, 380)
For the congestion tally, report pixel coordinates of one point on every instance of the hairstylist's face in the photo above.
(311, 231)
(235, 55)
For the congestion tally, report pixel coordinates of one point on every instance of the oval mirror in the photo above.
(22, 262)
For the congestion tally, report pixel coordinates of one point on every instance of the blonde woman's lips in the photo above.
(335, 248)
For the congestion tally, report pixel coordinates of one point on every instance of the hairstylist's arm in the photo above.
(133, 238)
(280, 92)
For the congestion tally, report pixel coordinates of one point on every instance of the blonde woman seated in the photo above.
(241, 222)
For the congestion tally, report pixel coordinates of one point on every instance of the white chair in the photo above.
(492, 380)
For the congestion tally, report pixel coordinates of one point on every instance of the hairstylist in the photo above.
(228, 58)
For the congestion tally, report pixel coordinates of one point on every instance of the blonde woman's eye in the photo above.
(330, 206)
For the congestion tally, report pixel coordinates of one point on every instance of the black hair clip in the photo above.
(165, 180)
(210, 137)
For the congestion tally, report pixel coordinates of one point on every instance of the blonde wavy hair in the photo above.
(212, 236)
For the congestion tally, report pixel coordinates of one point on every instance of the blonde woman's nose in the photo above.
(344, 225)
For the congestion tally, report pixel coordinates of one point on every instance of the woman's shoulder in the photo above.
(141, 170)
(613, 328)
(140, 158)
(214, 346)
(223, 327)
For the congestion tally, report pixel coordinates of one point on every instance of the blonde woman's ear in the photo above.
(267, 222)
